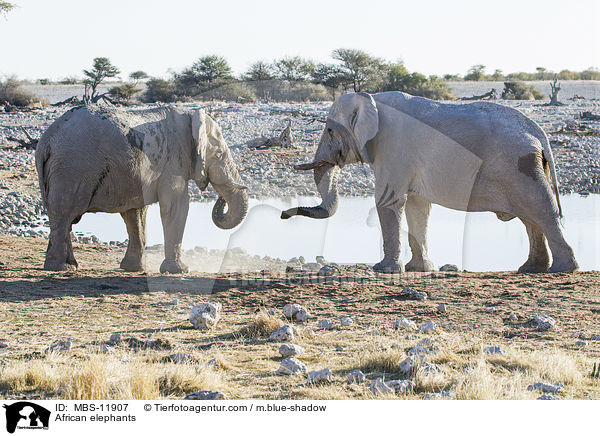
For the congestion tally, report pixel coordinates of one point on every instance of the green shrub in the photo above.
(518, 90)
(159, 90)
(124, 92)
(12, 93)
(417, 84)
(234, 91)
(279, 90)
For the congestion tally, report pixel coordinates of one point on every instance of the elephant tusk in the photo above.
(310, 165)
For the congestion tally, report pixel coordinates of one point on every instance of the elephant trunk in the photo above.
(236, 199)
(326, 179)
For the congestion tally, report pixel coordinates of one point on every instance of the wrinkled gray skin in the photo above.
(105, 160)
(471, 157)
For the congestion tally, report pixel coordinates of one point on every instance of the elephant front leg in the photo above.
(389, 209)
(417, 217)
(173, 214)
(135, 220)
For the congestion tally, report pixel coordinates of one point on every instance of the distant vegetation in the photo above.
(477, 73)
(12, 93)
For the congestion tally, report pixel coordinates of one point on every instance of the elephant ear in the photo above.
(358, 112)
(200, 143)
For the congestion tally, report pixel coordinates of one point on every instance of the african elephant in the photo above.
(471, 157)
(95, 159)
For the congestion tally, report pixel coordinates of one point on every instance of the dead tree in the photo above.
(555, 87)
(29, 144)
(491, 95)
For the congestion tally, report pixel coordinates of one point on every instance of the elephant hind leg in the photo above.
(135, 220)
(538, 260)
(59, 254)
(417, 216)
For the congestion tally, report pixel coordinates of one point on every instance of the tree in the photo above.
(363, 70)
(206, 73)
(294, 69)
(124, 92)
(498, 75)
(159, 90)
(259, 71)
(101, 70)
(6, 7)
(396, 77)
(331, 76)
(137, 76)
(476, 72)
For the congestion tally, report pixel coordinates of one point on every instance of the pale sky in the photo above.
(58, 38)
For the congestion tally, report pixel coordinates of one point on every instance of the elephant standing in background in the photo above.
(96, 159)
(472, 157)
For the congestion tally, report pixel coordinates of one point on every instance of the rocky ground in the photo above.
(268, 172)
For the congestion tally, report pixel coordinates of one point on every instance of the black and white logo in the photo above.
(26, 415)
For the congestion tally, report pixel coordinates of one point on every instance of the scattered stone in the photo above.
(205, 315)
(493, 350)
(325, 324)
(581, 343)
(407, 365)
(180, 357)
(378, 387)
(548, 397)
(290, 366)
(595, 337)
(212, 364)
(546, 387)
(449, 268)
(346, 321)
(295, 311)
(114, 339)
(147, 344)
(490, 310)
(175, 302)
(3, 345)
(283, 334)
(288, 350)
(59, 346)
(205, 395)
(106, 349)
(543, 323)
(405, 324)
(430, 368)
(302, 315)
(441, 308)
(322, 375)
(401, 386)
(513, 317)
(411, 294)
(356, 376)
(428, 327)
(443, 395)
(339, 348)
(425, 346)
(328, 270)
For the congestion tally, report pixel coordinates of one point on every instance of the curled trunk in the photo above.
(326, 180)
(236, 200)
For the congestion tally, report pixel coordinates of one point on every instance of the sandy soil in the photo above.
(40, 307)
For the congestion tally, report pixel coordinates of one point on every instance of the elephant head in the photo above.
(352, 121)
(213, 164)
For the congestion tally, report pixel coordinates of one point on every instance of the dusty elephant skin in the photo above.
(95, 159)
(472, 157)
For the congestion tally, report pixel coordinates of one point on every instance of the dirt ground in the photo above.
(40, 307)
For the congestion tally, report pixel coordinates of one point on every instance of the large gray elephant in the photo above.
(471, 157)
(95, 159)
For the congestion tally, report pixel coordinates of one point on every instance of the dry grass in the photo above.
(261, 326)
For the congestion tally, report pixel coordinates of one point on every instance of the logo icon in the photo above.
(26, 415)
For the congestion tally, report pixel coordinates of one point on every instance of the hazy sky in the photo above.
(58, 38)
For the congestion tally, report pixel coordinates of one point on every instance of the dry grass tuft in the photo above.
(384, 361)
(261, 326)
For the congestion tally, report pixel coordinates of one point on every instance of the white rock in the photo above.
(443, 395)
(405, 324)
(180, 357)
(513, 317)
(59, 346)
(302, 315)
(441, 308)
(346, 321)
(493, 350)
(290, 366)
(491, 310)
(548, 397)
(3, 345)
(407, 365)
(425, 346)
(322, 375)
(543, 322)
(325, 324)
(290, 309)
(401, 386)
(428, 327)
(288, 350)
(356, 376)
(205, 315)
(378, 387)
(283, 333)
(413, 294)
(205, 395)
(546, 387)
(581, 343)
(448, 267)
(430, 368)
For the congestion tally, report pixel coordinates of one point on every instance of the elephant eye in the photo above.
(330, 130)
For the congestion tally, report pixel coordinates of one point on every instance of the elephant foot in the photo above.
(132, 265)
(567, 266)
(173, 267)
(388, 267)
(533, 267)
(420, 264)
(60, 266)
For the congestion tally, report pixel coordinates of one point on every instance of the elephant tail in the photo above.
(549, 160)
(42, 154)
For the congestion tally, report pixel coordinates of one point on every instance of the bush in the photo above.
(517, 90)
(235, 91)
(159, 90)
(278, 90)
(417, 84)
(124, 92)
(70, 80)
(12, 93)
